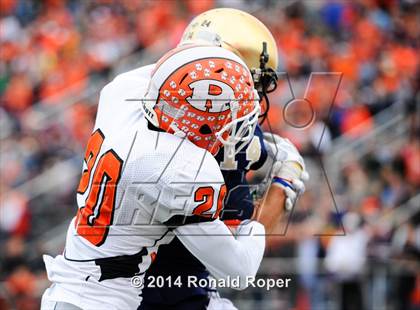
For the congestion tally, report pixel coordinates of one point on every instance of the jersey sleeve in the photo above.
(222, 253)
(190, 190)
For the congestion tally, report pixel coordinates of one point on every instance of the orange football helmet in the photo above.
(206, 94)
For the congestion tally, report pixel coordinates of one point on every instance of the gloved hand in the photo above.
(288, 169)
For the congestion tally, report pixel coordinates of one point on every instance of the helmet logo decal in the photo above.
(216, 99)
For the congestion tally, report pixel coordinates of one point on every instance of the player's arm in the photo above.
(201, 231)
(224, 254)
(271, 210)
(288, 176)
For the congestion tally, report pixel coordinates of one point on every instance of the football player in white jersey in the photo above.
(149, 174)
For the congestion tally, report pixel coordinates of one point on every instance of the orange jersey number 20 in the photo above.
(93, 219)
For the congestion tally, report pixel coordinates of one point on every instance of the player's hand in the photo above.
(288, 169)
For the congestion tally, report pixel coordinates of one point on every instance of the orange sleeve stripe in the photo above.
(233, 223)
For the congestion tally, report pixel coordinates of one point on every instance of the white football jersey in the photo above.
(135, 183)
(139, 187)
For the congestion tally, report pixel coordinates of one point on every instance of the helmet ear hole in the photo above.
(205, 129)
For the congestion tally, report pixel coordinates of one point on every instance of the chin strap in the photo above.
(265, 80)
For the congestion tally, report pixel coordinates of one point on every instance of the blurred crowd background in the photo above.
(353, 241)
